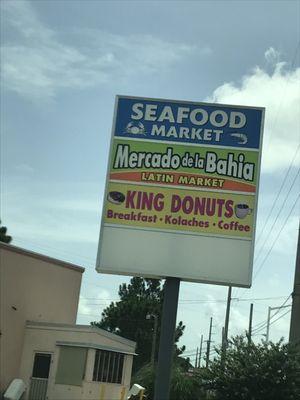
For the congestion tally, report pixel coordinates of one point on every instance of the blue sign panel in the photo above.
(187, 122)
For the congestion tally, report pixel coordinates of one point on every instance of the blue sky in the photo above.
(63, 62)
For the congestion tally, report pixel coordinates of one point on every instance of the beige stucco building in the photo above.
(40, 342)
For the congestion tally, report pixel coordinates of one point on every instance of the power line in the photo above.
(263, 324)
(277, 216)
(278, 194)
(198, 300)
(281, 316)
(258, 298)
(273, 244)
(275, 122)
(279, 308)
(273, 322)
(271, 248)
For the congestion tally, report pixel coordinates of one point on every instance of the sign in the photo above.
(181, 191)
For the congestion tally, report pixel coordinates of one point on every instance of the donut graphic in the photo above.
(116, 197)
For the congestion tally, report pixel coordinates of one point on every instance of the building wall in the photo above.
(32, 287)
(43, 339)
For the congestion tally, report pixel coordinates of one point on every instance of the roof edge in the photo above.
(42, 257)
(94, 346)
(90, 328)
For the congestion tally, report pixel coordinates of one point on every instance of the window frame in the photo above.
(108, 366)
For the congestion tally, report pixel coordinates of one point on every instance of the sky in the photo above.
(63, 62)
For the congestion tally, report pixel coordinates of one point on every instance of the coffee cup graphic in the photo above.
(242, 210)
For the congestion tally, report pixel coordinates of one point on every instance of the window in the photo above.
(71, 365)
(41, 365)
(108, 366)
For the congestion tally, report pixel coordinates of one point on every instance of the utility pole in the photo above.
(268, 324)
(196, 362)
(208, 343)
(295, 317)
(149, 316)
(225, 335)
(269, 318)
(225, 328)
(200, 352)
(250, 323)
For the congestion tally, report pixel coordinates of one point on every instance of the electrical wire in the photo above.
(281, 316)
(263, 324)
(266, 323)
(278, 214)
(276, 117)
(273, 322)
(276, 238)
(273, 244)
(196, 301)
(278, 194)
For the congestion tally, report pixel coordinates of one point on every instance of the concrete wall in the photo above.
(32, 287)
(43, 339)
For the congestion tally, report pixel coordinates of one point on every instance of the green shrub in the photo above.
(265, 371)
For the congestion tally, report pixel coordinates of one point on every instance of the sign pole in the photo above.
(166, 343)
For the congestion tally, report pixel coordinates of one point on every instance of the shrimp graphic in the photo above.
(241, 136)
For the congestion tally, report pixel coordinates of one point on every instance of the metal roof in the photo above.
(94, 346)
(82, 328)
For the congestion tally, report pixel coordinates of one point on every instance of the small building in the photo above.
(75, 362)
(40, 341)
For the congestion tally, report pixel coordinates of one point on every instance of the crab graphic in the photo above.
(135, 129)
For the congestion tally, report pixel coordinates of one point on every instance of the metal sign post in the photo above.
(166, 343)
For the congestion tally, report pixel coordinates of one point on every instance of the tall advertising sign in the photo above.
(181, 191)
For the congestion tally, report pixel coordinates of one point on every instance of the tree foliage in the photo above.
(3, 236)
(184, 385)
(127, 317)
(265, 371)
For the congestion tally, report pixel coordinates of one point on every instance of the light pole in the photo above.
(149, 316)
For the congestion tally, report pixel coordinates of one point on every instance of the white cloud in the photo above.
(272, 56)
(279, 93)
(37, 63)
(91, 306)
(84, 308)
